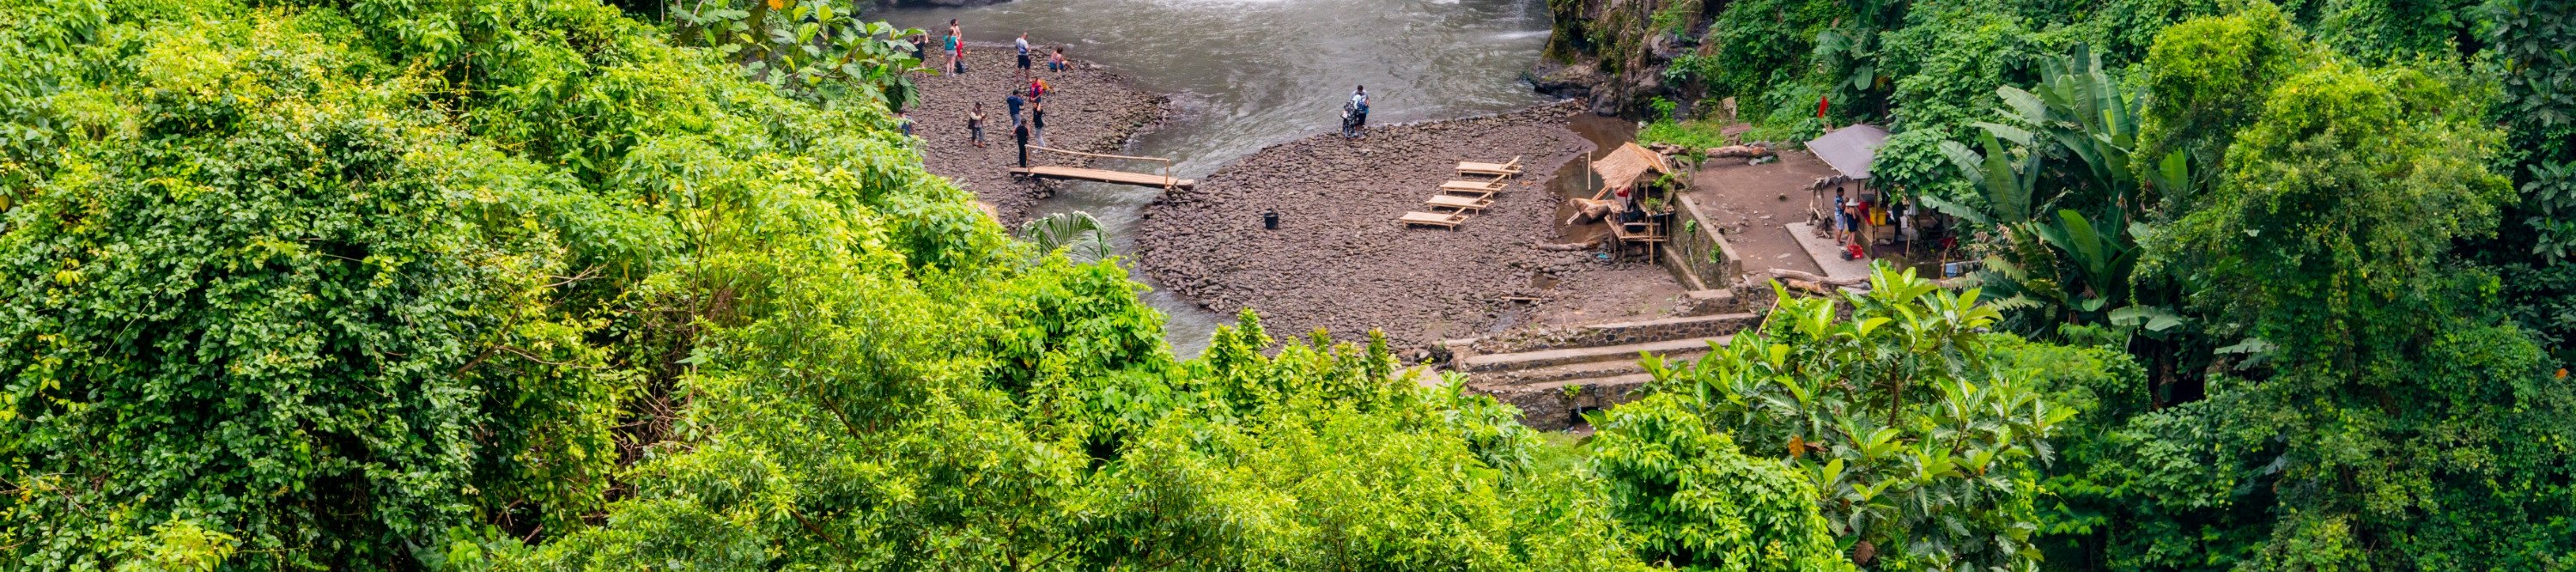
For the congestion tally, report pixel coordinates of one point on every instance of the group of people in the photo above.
(953, 45)
(1032, 96)
(1854, 222)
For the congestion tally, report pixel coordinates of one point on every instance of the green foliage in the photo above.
(1076, 232)
(1693, 135)
(816, 46)
(2339, 200)
(2210, 77)
(1912, 164)
(1948, 60)
(2373, 369)
(1913, 439)
(1676, 17)
(2529, 40)
(1693, 501)
(1755, 46)
(2396, 30)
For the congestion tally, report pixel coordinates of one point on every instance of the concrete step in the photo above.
(1611, 368)
(1674, 328)
(1546, 358)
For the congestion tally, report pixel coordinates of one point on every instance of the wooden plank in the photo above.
(1495, 186)
(1477, 193)
(1498, 169)
(1463, 204)
(1102, 175)
(1442, 220)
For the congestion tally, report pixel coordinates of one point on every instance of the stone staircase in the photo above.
(1533, 373)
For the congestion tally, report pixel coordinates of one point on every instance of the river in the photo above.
(1247, 74)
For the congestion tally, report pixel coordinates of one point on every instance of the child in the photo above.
(975, 125)
(1056, 62)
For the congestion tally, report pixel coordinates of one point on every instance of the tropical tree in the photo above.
(1921, 451)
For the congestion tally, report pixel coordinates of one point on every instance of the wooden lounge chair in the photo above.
(1504, 169)
(1463, 204)
(1474, 186)
(1442, 220)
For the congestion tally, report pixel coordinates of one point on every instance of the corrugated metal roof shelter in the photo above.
(1627, 164)
(1850, 150)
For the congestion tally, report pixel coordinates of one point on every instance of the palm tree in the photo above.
(1075, 231)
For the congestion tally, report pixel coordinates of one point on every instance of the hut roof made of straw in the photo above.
(1850, 150)
(1627, 164)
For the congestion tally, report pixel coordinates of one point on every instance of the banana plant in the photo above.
(2007, 182)
(2102, 256)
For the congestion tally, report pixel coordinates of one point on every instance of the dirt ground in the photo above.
(1341, 262)
(1747, 201)
(1091, 110)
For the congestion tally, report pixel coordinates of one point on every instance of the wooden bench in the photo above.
(1442, 220)
(1475, 186)
(1463, 204)
(1504, 169)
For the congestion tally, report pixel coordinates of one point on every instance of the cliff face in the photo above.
(1613, 53)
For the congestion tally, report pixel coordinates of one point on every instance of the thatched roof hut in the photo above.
(1625, 165)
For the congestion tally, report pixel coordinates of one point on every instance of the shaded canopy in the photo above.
(1628, 163)
(1850, 150)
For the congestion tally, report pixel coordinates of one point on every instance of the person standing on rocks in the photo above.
(953, 42)
(1020, 131)
(975, 125)
(1015, 101)
(1359, 110)
(1025, 70)
(1037, 121)
(904, 120)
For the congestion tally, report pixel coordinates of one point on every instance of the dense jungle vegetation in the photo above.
(556, 285)
(2333, 233)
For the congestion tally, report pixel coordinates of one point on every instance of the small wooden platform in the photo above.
(1441, 220)
(1473, 186)
(1463, 204)
(1103, 175)
(1504, 169)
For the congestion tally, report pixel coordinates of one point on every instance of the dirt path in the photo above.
(1340, 261)
(1092, 110)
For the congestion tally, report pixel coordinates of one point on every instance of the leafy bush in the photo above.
(1913, 440)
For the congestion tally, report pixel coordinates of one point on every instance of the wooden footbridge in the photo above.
(1163, 179)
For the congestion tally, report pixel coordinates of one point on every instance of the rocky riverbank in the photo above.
(1340, 261)
(1092, 110)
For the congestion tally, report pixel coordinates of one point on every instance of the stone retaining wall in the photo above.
(1699, 256)
(1547, 408)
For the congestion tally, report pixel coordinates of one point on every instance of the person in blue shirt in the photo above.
(1015, 101)
(1356, 112)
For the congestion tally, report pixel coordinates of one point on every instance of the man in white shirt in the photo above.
(1024, 55)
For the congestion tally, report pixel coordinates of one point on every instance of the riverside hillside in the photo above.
(466, 285)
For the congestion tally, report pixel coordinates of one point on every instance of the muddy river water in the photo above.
(1247, 74)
